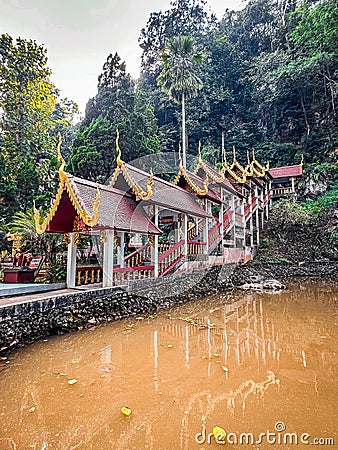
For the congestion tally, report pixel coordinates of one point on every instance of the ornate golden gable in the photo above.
(65, 184)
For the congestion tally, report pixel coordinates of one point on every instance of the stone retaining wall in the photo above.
(24, 323)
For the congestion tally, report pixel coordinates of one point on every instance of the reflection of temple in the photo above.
(202, 213)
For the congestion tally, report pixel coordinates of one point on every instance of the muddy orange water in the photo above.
(263, 367)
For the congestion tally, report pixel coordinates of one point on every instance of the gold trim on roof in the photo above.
(209, 174)
(261, 171)
(249, 168)
(236, 164)
(89, 220)
(182, 172)
(226, 169)
(123, 169)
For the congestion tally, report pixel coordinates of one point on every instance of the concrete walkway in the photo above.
(17, 298)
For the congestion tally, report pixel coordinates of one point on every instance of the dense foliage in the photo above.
(117, 105)
(268, 80)
(30, 116)
(270, 77)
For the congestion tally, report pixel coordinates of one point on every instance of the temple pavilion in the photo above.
(204, 216)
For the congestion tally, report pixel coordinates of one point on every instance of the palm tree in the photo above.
(178, 77)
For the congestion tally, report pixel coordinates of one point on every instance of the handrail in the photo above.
(135, 257)
(88, 275)
(170, 250)
(195, 248)
(135, 252)
(170, 258)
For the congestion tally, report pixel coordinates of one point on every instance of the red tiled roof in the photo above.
(287, 171)
(118, 210)
(167, 194)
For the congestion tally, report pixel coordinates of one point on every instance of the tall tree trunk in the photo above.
(184, 148)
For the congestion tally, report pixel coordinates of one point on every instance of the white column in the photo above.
(108, 253)
(293, 184)
(71, 262)
(205, 238)
(251, 231)
(221, 220)
(156, 209)
(177, 229)
(185, 234)
(120, 249)
(257, 226)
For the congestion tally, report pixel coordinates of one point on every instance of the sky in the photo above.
(80, 34)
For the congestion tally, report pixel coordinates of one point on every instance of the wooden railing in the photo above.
(247, 210)
(238, 217)
(214, 234)
(227, 219)
(170, 258)
(254, 202)
(195, 230)
(281, 191)
(163, 246)
(88, 275)
(195, 248)
(138, 256)
(125, 274)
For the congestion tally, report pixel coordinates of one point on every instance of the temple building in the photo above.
(203, 217)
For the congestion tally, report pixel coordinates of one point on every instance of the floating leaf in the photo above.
(32, 409)
(219, 433)
(126, 411)
(73, 381)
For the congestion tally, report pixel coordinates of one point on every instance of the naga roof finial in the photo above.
(61, 158)
(199, 151)
(119, 161)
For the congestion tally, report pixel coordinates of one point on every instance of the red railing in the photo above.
(138, 257)
(247, 210)
(170, 258)
(214, 234)
(195, 230)
(227, 219)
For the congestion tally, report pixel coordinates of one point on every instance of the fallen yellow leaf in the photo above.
(225, 369)
(126, 411)
(73, 381)
(219, 433)
(170, 345)
(32, 409)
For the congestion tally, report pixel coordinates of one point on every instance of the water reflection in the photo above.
(243, 362)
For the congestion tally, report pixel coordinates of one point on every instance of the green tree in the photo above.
(119, 104)
(178, 77)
